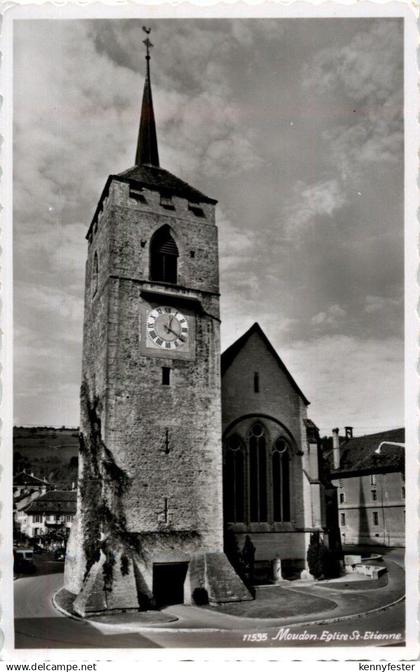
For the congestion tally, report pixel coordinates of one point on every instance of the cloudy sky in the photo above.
(294, 125)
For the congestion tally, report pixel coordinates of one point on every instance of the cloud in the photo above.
(312, 204)
(368, 67)
(297, 242)
(198, 119)
(368, 72)
(350, 381)
(376, 304)
(236, 246)
(73, 113)
(331, 317)
(355, 147)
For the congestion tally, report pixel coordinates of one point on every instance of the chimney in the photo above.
(336, 448)
(349, 432)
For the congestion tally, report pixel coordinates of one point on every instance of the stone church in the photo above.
(177, 443)
(272, 487)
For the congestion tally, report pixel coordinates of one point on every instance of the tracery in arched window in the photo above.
(257, 473)
(234, 494)
(281, 474)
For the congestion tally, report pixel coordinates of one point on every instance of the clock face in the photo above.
(167, 328)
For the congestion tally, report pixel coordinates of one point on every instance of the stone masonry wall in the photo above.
(137, 409)
(135, 223)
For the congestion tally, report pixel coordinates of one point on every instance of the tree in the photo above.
(323, 564)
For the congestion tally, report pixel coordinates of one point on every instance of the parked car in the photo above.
(60, 554)
(23, 561)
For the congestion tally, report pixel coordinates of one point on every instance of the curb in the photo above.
(63, 611)
(154, 628)
(75, 617)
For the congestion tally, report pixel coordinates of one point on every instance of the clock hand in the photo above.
(168, 326)
(173, 332)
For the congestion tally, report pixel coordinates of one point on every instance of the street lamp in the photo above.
(378, 452)
(390, 443)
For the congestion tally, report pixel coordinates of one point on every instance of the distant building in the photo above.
(49, 512)
(26, 489)
(370, 486)
(24, 484)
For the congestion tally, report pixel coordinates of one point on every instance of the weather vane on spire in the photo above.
(147, 42)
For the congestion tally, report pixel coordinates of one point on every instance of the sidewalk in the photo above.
(293, 604)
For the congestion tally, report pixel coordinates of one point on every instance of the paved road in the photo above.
(38, 625)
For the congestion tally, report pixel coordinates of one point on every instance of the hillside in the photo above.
(47, 452)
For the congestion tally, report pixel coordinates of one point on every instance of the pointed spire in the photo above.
(147, 147)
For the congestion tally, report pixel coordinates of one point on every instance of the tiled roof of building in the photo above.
(54, 501)
(358, 453)
(233, 350)
(20, 503)
(22, 478)
(162, 180)
(156, 179)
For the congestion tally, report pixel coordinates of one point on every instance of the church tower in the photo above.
(149, 528)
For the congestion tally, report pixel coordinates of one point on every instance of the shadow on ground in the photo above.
(54, 633)
(276, 602)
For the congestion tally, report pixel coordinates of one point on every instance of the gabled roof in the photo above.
(233, 350)
(54, 501)
(22, 478)
(358, 453)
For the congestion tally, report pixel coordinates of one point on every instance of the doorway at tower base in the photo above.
(207, 578)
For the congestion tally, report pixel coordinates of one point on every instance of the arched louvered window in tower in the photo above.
(281, 473)
(257, 473)
(163, 256)
(234, 493)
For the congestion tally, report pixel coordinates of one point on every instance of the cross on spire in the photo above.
(147, 147)
(149, 46)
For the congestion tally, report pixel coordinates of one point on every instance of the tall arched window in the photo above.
(163, 256)
(95, 274)
(281, 473)
(257, 473)
(234, 494)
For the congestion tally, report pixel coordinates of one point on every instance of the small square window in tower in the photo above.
(196, 210)
(163, 257)
(166, 375)
(137, 194)
(167, 202)
(256, 382)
